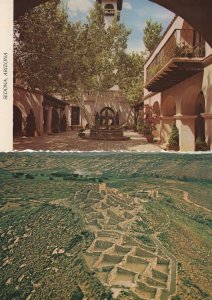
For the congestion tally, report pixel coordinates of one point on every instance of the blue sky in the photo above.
(134, 15)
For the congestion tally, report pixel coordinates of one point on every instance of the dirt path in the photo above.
(187, 199)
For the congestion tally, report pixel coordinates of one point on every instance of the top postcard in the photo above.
(111, 75)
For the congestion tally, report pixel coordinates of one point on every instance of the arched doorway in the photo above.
(45, 118)
(30, 124)
(107, 117)
(17, 122)
(63, 123)
(55, 121)
(156, 116)
(200, 122)
(75, 116)
(168, 111)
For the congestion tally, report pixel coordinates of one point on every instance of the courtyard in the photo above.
(69, 141)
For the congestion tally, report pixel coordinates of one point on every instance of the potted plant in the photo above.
(200, 144)
(147, 131)
(174, 138)
(183, 51)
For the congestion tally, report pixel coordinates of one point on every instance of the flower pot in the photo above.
(149, 138)
(172, 147)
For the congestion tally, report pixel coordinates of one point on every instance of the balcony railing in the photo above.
(182, 43)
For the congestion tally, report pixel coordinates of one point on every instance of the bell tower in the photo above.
(112, 9)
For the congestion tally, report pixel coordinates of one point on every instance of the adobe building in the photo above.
(113, 98)
(178, 85)
(35, 114)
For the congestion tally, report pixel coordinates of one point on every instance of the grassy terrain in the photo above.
(43, 232)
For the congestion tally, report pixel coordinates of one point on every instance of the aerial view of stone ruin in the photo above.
(100, 226)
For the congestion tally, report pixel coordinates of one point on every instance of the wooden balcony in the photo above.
(179, 59)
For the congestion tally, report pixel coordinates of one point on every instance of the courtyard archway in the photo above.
(63, 123)
(200, 122)
(55, 121)
(156, 115)
(17, 122)
(30, 126)
(168, 111)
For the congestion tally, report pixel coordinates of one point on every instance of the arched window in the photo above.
(109, 6)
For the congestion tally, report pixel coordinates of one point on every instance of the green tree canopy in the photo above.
(45, 48)
(131, 76)
(152, 34)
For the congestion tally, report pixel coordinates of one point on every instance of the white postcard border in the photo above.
(6, 75)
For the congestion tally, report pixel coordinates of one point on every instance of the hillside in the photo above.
(66, 221)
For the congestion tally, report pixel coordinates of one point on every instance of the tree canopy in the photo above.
(61, 57)
(45, 48)
(131, 76)
(152, 34)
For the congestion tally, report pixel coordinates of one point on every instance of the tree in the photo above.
(44, 45)
(152, 34)
(61, 57)
(131, 77)
(174, 137)
(103, 47)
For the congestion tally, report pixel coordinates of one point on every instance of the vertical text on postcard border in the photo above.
(5, 73)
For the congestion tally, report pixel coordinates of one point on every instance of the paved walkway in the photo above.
(69, 141)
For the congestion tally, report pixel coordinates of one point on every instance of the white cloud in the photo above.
(80, 6)
(127, 5)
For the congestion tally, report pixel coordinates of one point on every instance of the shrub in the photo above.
(200, 144)
(74, 241)
(108, 295)
(145, 239)
(163, 237)
(168, 199)
(28, 176)
(174, 137)
(176, 297)
(77, 295)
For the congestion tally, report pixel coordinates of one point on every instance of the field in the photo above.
(105, 226)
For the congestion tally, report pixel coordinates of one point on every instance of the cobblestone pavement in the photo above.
(69, 141)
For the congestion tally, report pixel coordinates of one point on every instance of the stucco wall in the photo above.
(207, 88)
(25, 101)
(116, 102)
(182, 95)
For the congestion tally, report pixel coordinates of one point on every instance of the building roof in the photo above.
(197, 13)
(22, 6)
(119, 3)
(48, 99)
